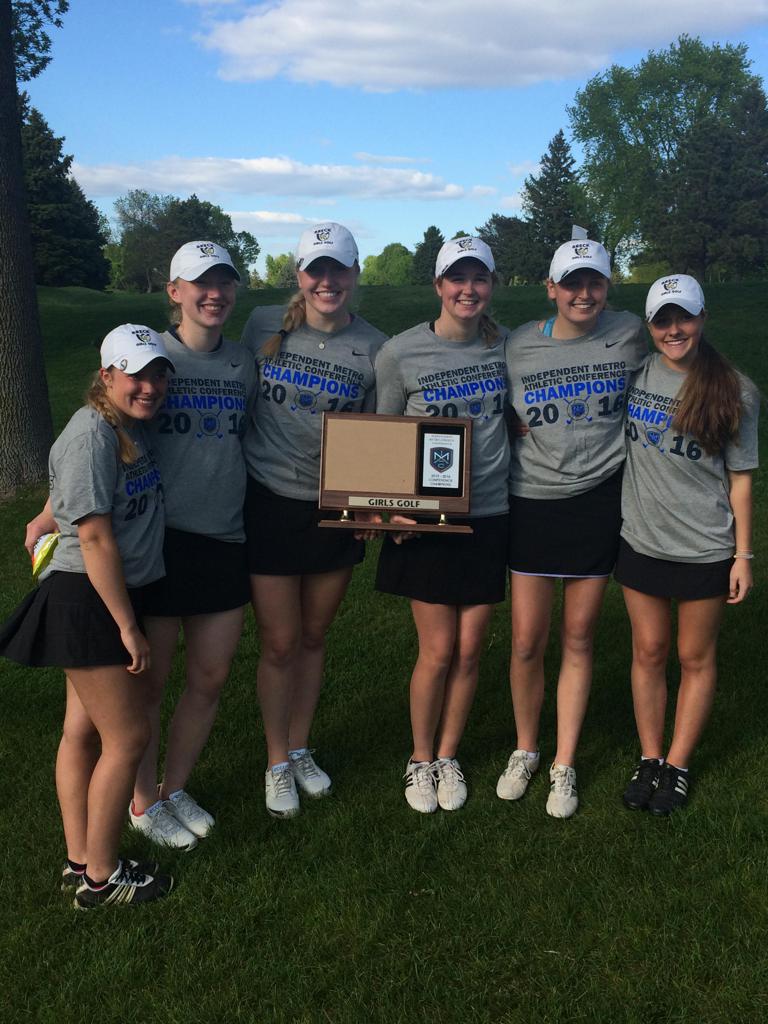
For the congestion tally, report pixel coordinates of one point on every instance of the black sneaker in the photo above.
(71, 879)
(642, 785)
(671, 793)
(126, 885)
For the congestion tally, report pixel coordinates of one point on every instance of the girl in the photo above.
(687, 531)
(198, 440)
(313, 356)
(106, 499)
(452, 581)
(567, 379)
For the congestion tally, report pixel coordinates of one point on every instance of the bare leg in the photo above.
(293, 614)
(582, 600)
(162, 632)
(436, 625)
(321, 595)
(211, 641)
(78, 753)
(531, 615)
(461, 682)
(116, 704)
(698, 624)
(651, 619)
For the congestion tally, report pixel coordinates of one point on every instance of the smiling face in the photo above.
(327, 287)
(580, 298)
(137, 396)
(208, 301)
(676, 333)
(465, 290)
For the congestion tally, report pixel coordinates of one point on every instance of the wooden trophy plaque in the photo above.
(408, 465)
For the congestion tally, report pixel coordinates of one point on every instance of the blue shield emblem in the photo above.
(441, 459)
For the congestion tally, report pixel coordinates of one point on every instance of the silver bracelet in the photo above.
(744, 554)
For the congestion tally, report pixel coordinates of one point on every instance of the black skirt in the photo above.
(64, 623)
(452, 569)
(202, 576)
(684, 581)
(283, 538)
(567, 537)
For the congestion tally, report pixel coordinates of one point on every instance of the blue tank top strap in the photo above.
(546, 329)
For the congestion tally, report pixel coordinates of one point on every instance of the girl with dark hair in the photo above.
(687, 533)
(453, 366)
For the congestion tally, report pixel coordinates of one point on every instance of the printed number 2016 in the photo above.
(691, 451)
(542, 414)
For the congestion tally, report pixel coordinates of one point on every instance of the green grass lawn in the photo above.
(359, 909)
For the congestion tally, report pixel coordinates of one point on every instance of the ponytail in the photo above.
(295, 315)
(710, 405)
(96, 397)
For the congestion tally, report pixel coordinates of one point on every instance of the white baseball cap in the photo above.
(463, 248)
(676, 290)
(130, 347)
(194, 258)
(327, 239)
(579, 254)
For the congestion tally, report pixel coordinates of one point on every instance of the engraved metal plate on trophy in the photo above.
(415, 466)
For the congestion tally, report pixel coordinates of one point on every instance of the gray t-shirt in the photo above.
(87, 478)
(421, 374)
(674, 498)
(313, 373)
(570, 394)
(198, 435)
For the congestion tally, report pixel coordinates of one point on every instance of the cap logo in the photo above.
(465, 244)
(323, 234)
(122, 364)
(207, 249)
(143, 337)
(670, 285)
(581, 251)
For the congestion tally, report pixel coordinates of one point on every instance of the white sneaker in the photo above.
(451, 787)
(420, 791)
(563, 798)
(514, 780)
(282, 798)
(191, 814)
(310, 778)
(162, 826)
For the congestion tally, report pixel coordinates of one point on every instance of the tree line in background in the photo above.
(674, 176)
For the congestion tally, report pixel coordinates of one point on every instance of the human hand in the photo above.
(740, 580)
(137, 646)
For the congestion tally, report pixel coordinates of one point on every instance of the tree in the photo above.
(710, 215)
(631, 122)
(153, 227)
(514, 251)
(425, 255)
(65, 227)
(553, 201)
(281, 271)
(393, 266)
(26, 429)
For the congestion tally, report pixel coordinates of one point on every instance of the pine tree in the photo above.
(67, 240)
(553, 201)
(425, 256)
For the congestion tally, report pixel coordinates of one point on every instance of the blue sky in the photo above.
(385, 117)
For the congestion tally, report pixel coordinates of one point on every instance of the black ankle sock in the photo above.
(79, 869)
(92, 884)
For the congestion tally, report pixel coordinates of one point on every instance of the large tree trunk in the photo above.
(26, 430)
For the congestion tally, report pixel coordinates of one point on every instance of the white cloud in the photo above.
(372, 158)
(453, 44)
(480, 191)
(512, 203)
(277, 176)
(524, 168)
(267, 223)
